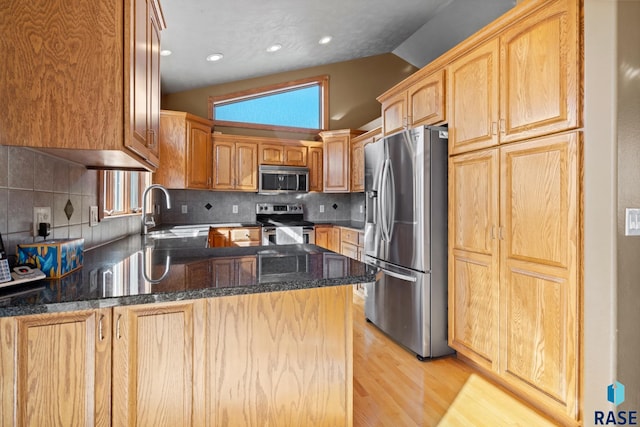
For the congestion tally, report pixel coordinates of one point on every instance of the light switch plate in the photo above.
(632, 222)
(185, 209)
(234, 209)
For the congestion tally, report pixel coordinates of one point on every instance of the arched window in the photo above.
(297, 105)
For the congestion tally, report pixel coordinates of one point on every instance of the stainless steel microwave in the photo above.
(282, 179)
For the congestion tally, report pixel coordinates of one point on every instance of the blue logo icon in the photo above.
(615, 393)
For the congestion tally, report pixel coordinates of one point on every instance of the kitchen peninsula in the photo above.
(166, 333)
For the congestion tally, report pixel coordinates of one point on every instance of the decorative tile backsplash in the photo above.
(217, 206)
(29, 178)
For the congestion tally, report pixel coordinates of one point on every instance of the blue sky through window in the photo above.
(293, 108)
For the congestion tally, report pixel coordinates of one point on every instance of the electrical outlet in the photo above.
(93, 216)
(234, 208)
(41, 214)
(184, 209)
(361, 209)
(321, 208)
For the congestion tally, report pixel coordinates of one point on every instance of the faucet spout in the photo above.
(149, 221)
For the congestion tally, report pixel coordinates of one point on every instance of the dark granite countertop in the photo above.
(132, 271)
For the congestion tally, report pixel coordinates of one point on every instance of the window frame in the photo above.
(321, 81)
(107, 192)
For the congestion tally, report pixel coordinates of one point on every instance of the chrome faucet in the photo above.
(147, 220)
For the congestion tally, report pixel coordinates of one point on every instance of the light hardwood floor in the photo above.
(392, 388)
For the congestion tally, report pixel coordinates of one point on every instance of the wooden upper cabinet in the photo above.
(315, 169)
(271, 154)
(423, 103)
(246, 168)
(540, 73)
(357, 157)
(56, 368)
(473, 99)
(523, 83)
(223, 164)
(93, 108)
(426, 100)
(145, 81)
(295, 155)
(185, 151)
(337, 159)
(235, 165)
(167, 338)
(394, 113)
(282, 154)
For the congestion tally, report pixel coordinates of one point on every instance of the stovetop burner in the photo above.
(281, 215)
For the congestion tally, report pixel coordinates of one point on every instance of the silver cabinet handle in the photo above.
(100, 334)
(118, 335)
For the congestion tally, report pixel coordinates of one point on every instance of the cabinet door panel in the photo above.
(246, 166)
(295, 156)
(223, 165)
(394, 113)
(56, 368)
(473, 256)
(166, 338)
(540, 73)
(336, 164)
(473, 99)
(154, 89)
(540, 290)
(426, 100)
(315, 169)
(271, 154)
(199, 162)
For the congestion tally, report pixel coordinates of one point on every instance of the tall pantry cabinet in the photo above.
(515, 241)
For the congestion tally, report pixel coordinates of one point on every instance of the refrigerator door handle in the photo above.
(392, 203)
(383, 201)
(399, 275)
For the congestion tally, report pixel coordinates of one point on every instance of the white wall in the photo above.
(600, 160)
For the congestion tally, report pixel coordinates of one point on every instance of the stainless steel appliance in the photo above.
(284, 224)
(406, 237)
(282, 179)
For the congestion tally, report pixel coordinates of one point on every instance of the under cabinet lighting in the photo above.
(165, 52)
(325, 40)
(274, 48)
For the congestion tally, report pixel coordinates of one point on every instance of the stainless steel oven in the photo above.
(286, 235)
(284, 224)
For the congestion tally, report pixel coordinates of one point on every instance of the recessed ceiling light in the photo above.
(215, 57)
(274, 48)
(325, 40)
(165, 52)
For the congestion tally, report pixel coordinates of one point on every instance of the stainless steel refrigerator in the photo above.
(406, 237)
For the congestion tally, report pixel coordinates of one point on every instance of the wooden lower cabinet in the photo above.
(515, 294)
(56, 369)
(158, 362)
(328, 237)
(281, 358)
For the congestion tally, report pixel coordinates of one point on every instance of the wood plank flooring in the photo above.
(392, 388)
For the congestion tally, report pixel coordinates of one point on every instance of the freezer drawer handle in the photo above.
(399, 276)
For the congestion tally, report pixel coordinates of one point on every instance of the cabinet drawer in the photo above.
(244, 235)
(349, 250)
(350, 236)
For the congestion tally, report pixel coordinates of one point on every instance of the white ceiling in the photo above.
(416, 30)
